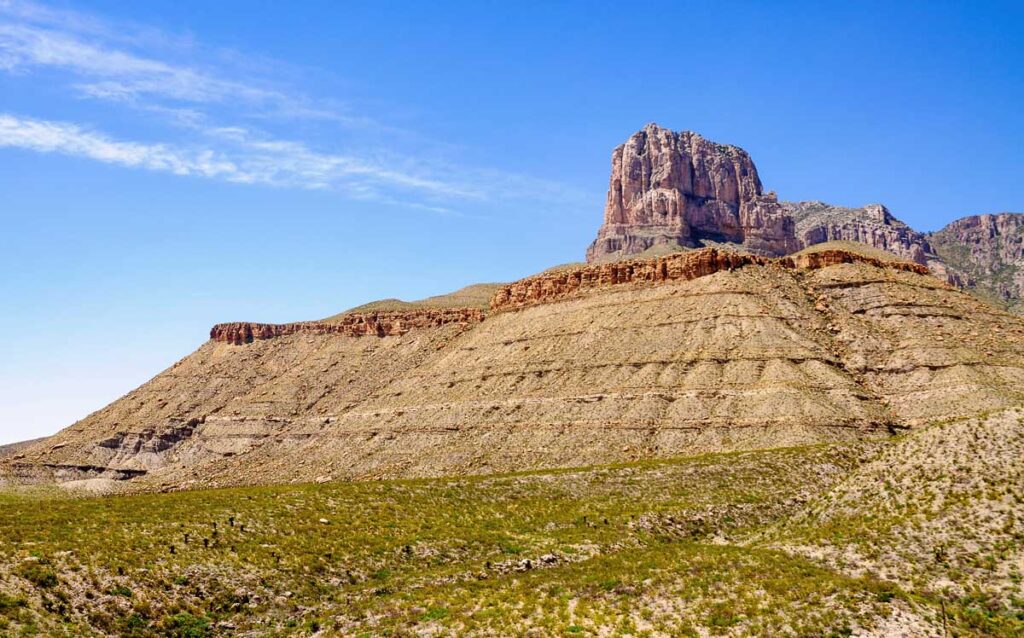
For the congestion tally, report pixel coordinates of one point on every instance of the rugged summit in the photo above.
(987, 252)
(674, 191)
(670, 190)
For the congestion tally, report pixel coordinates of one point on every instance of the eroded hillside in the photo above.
(702, 351)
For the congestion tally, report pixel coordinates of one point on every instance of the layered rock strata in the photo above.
(818, 222)
(675, 190)
(563, 284)
(376, 324)
(753, 353)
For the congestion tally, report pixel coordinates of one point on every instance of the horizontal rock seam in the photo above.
(554, 286)
(547, 288)
(376, 324)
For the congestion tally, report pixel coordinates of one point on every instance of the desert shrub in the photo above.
(185, 625)
(10, 603)
(38, 575)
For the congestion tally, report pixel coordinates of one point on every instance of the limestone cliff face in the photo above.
(375, 324)
(678, 190)
(560, 285)
(670, 191)
(874, 225)
(987, 253)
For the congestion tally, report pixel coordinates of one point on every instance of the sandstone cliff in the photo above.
(987, 254)
(565, 283)
(679, 190)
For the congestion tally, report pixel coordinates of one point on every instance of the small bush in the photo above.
(38, 575)
(436, 613)
(10, 603)
(185, 625)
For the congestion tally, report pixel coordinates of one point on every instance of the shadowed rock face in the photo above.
(679, 190)
(987, 252)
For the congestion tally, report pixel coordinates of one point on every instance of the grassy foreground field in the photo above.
(674, 548)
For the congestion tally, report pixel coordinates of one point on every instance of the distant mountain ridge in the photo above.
(987, 254)
(674, 191)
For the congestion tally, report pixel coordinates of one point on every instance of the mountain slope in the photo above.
(937, 511)
(872, 225)
(693, 352)
(14, 448)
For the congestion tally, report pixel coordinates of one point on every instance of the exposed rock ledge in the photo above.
(375, 324)
(549, 287)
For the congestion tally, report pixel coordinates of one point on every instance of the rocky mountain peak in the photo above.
(671, 190)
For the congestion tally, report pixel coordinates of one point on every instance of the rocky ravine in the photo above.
(670, 191)
(702, 351)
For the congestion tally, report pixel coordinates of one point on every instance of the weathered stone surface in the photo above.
(673, 191)
(679, 190)
(376, 324)
(987, 254)
(555, 286)
(874, 225)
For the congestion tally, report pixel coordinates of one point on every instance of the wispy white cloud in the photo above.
(68, 139)
(118, 74)
(244, 160)
(218, 107)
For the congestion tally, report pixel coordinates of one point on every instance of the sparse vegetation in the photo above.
(655, 548)
(914, 534)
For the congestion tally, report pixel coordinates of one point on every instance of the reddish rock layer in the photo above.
(549, 287)
(376, 324)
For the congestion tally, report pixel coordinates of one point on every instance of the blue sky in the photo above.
(168, 165)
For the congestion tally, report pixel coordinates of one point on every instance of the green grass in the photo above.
(639, 548)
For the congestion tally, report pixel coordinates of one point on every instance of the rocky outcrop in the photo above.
(874, 225)
(675, 190)
(987, 253)
(556, 286)
(372, 324)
